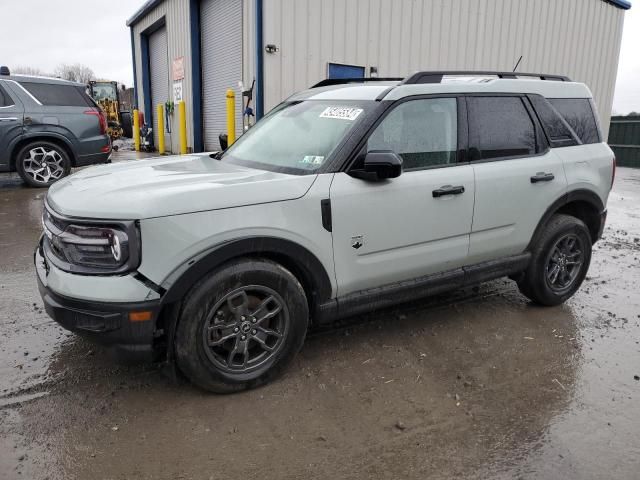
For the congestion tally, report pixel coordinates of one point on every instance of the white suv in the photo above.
(347, 197)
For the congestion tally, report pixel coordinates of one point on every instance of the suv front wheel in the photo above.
(559, 263)
(241, 326)
(41, 163)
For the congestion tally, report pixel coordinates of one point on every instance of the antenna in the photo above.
(517, 63)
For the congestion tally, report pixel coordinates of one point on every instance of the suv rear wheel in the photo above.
(559, 262)
(241, 326)
(42, 163)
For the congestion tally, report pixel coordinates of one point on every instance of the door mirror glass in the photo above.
(379, 165)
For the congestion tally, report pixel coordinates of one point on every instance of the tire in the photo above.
(559, 262)
(218, 318)
(127, 125)
(42, 163)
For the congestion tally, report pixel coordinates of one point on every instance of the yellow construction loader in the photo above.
(106, 95)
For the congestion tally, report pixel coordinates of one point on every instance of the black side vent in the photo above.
(325, 207)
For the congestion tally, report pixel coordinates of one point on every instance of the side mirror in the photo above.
(224, 143)
(379, 165)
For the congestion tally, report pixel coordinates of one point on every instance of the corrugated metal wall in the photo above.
(578, 38)
(176, 13)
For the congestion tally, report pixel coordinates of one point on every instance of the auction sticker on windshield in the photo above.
(342, 113)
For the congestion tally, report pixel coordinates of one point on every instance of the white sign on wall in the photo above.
(177, 91)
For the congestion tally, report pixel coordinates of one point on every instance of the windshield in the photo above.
(104, 91)
(297, 137)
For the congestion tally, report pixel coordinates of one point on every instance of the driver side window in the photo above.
(423, 132)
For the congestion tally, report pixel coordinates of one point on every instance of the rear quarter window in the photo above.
(579, 114)
(557, 129)
(58, 95)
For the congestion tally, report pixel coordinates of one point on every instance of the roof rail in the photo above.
(340, 81)
(436, 77)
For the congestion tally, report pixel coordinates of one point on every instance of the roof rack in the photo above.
(436, 77)
(340, 81)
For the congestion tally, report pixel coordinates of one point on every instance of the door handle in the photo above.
(8, 119)
(448, 190)
(542, 177)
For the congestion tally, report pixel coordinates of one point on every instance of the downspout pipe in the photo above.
(259, 62)
(135, 76)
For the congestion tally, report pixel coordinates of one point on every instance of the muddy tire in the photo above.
(241, 326)
(42, 163)
(559, 262)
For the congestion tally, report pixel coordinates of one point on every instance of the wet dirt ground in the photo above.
(476, 384)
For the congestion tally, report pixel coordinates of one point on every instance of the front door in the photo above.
(394, 230)
(11, 117)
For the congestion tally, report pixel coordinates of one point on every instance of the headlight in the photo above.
(90, 247)
(93, 246)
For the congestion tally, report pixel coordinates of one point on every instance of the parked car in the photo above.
(346, 198)
(48, 126)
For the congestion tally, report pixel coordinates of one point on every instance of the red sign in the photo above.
(178, 68)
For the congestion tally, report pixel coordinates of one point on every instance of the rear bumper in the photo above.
(102, 322)
(92, 159)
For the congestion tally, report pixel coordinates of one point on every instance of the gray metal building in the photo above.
(197, 49)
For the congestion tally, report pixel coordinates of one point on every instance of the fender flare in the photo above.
(581, 195)
(305, 265)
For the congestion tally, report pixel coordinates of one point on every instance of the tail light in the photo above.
(613, 171)
(102, 119)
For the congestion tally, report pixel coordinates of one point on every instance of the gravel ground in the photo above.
(475, 384)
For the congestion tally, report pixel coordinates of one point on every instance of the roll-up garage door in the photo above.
(159, 75)
(221, 37)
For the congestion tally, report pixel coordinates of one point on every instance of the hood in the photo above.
(169, 186)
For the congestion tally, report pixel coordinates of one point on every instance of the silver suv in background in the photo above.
(343, 199)
(48, 126)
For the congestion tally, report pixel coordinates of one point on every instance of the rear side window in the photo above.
(5, 99)
(579, 115)
(500, 127)
(557, 129)
(423, 132)
(58, 95)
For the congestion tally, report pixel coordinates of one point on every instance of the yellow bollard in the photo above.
(231, 117)
(182, 118)
(160, 111)
(136, 129)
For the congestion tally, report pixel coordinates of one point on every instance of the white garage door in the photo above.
(221, 37)
(159, 75)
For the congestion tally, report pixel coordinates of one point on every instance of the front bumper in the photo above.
(107, 323)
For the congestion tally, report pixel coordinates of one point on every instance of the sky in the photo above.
(93, 32)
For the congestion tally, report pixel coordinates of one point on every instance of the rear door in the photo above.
(399, 229)
(11, 117)
(517, 176)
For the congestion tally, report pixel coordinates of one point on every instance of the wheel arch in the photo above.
(303, 264)
(583, 204)
(50, 137)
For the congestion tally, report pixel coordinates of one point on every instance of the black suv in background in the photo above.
(47, 126)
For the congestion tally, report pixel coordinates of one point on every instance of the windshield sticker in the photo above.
(341, 113)
(312, 160)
